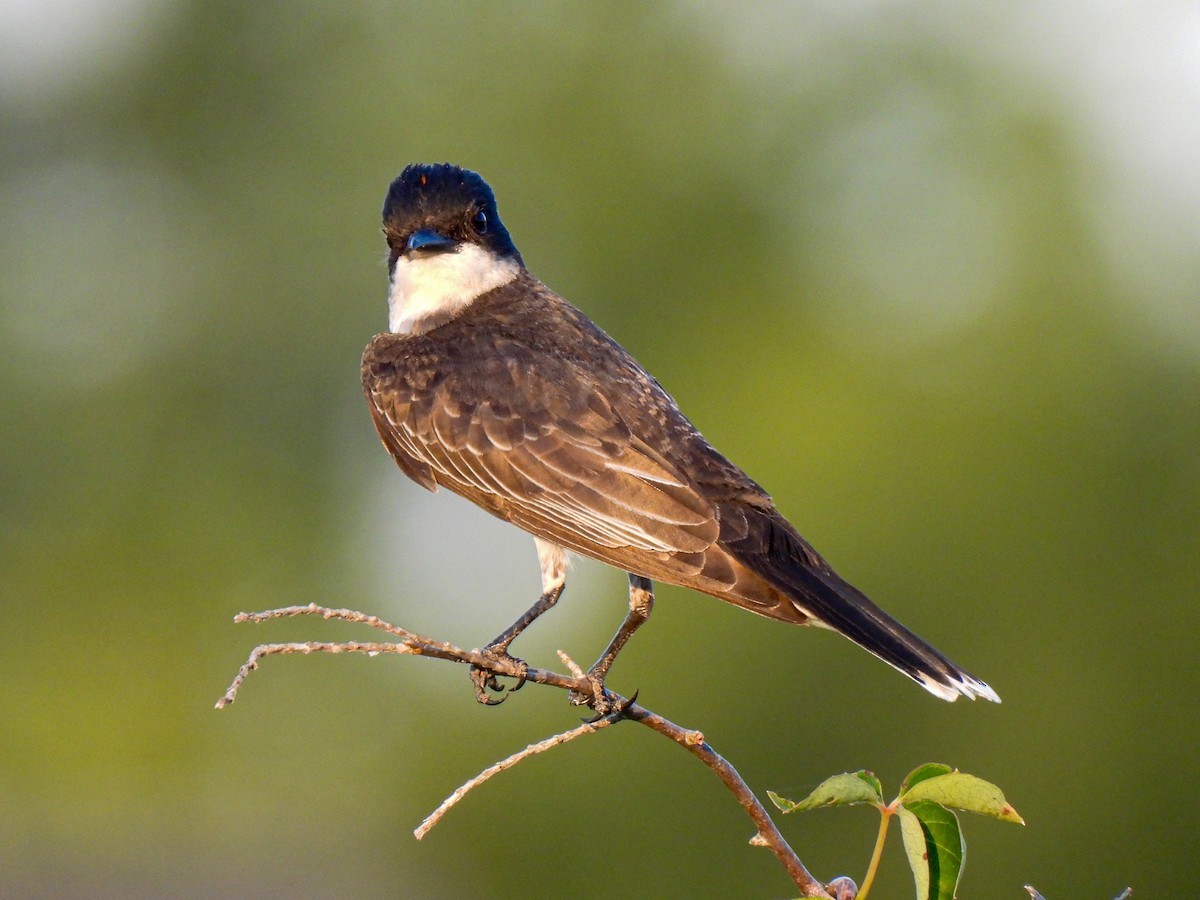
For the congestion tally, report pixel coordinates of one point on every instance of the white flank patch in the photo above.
(443, 283)
(554, 560)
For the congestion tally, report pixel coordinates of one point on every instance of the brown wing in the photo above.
(548, 447)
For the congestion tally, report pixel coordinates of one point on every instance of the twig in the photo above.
(409, 643)
(767, 834)
(540, 747)
(371, 648)
(573, 667)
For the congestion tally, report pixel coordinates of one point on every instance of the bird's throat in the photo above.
(428, 290)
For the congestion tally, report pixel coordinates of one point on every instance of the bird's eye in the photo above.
(479, 221)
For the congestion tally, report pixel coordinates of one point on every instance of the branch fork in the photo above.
(412, 644)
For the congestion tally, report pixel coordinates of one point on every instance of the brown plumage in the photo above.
(518, 402)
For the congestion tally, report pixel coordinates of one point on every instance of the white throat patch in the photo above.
(443, 283)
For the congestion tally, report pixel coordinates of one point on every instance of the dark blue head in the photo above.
(437, 208)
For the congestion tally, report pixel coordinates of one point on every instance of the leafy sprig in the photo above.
(929, 827)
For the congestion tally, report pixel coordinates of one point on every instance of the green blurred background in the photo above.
(927, 272)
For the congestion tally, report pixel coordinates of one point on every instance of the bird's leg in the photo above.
(641, 602)
(553, 559)
(498, 649)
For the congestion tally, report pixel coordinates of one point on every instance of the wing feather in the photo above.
(569, 440)
(613, 493)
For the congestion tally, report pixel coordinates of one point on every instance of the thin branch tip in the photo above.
(573, 667)
(507, 763)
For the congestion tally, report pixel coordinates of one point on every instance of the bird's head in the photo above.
(446, 245)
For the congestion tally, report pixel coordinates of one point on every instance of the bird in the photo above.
(491, 385)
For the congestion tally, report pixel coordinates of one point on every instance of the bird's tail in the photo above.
(836, 604)
(796, 570)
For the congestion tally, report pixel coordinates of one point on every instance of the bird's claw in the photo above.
(600, 699)
(486, 680)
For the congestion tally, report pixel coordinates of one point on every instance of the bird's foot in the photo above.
(596, 697)
(600, 699)
(486, 680)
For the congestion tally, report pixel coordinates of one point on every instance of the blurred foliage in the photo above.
(928, 274)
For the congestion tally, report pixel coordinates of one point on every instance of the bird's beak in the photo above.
(427, 241)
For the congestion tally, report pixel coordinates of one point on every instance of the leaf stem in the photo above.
(885, 816)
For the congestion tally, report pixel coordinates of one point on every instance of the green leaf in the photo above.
(935, 848)
(961, 791)
(921, 773)
(846, 789)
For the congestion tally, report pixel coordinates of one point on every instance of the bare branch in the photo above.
(371, 648)
(324, 612)
(408, 643)
(540, 747)
(768, 835)
(412, 644)
(573, 667)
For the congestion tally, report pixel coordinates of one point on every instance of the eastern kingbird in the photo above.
(490, 384)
